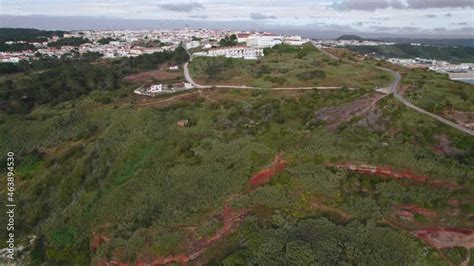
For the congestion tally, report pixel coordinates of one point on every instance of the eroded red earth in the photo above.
(97, 240)
(388, 172)
(231, 219)
(437, 237)
(440, 237)
(265, 175)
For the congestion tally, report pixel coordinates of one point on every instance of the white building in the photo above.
(237, 52)
(295, 40)
(188, 86)
(264, 40)
(401, 61)
(192, 44)
(243, 37)
(156, 88)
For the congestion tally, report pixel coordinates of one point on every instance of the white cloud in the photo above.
(360, 14)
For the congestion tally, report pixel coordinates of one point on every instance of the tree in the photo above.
(228, 41)
(299, 253)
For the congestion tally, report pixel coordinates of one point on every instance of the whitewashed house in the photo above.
(156, 88)
(237, 52)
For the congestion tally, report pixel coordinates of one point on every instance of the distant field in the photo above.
(286, 66)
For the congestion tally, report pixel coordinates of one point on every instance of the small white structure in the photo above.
(264, 40)
(156, 88)
(243, 37)
(237, 52)
(159, 89)
(175, 67)
(192, 44)
(188, 86)
(295, 40)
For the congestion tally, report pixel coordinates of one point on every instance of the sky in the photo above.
(438, 17)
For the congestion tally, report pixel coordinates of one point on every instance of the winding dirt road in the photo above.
(393, 89)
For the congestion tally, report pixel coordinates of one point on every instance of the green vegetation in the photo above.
(350, 37)
(287, 66)
(132, 175)
(228, 41)
(41, 63)
(26, 35)
(72, 41)
(436, 93)
(106, 40)
(70, 80)
(452, 54)
(16, 47)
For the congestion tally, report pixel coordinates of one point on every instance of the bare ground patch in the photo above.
(465, 119)
(336, 116)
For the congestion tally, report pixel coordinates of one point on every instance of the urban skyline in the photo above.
(407, 17)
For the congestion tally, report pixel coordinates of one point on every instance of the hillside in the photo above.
(286, 66)
(350, 38)
(27, 35)
(452, 54)
(251, 177)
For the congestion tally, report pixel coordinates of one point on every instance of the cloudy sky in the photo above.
(387, 16)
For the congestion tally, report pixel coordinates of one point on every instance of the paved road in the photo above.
(189, 79)
(398, 96)
(393, 88)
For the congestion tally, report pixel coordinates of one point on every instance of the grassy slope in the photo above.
(435, 92)
(448, 53)
(281, 67)
(135, 177)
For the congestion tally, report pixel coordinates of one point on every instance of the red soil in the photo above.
(265, 175)
(383, 171)
(405, 215)
(439, 237)
(97, 240)
(418, 210)
(231, 219)
(388, 172)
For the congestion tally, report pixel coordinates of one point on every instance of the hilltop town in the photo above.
(126, 43)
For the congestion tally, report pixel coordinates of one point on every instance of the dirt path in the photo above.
(189, 79)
